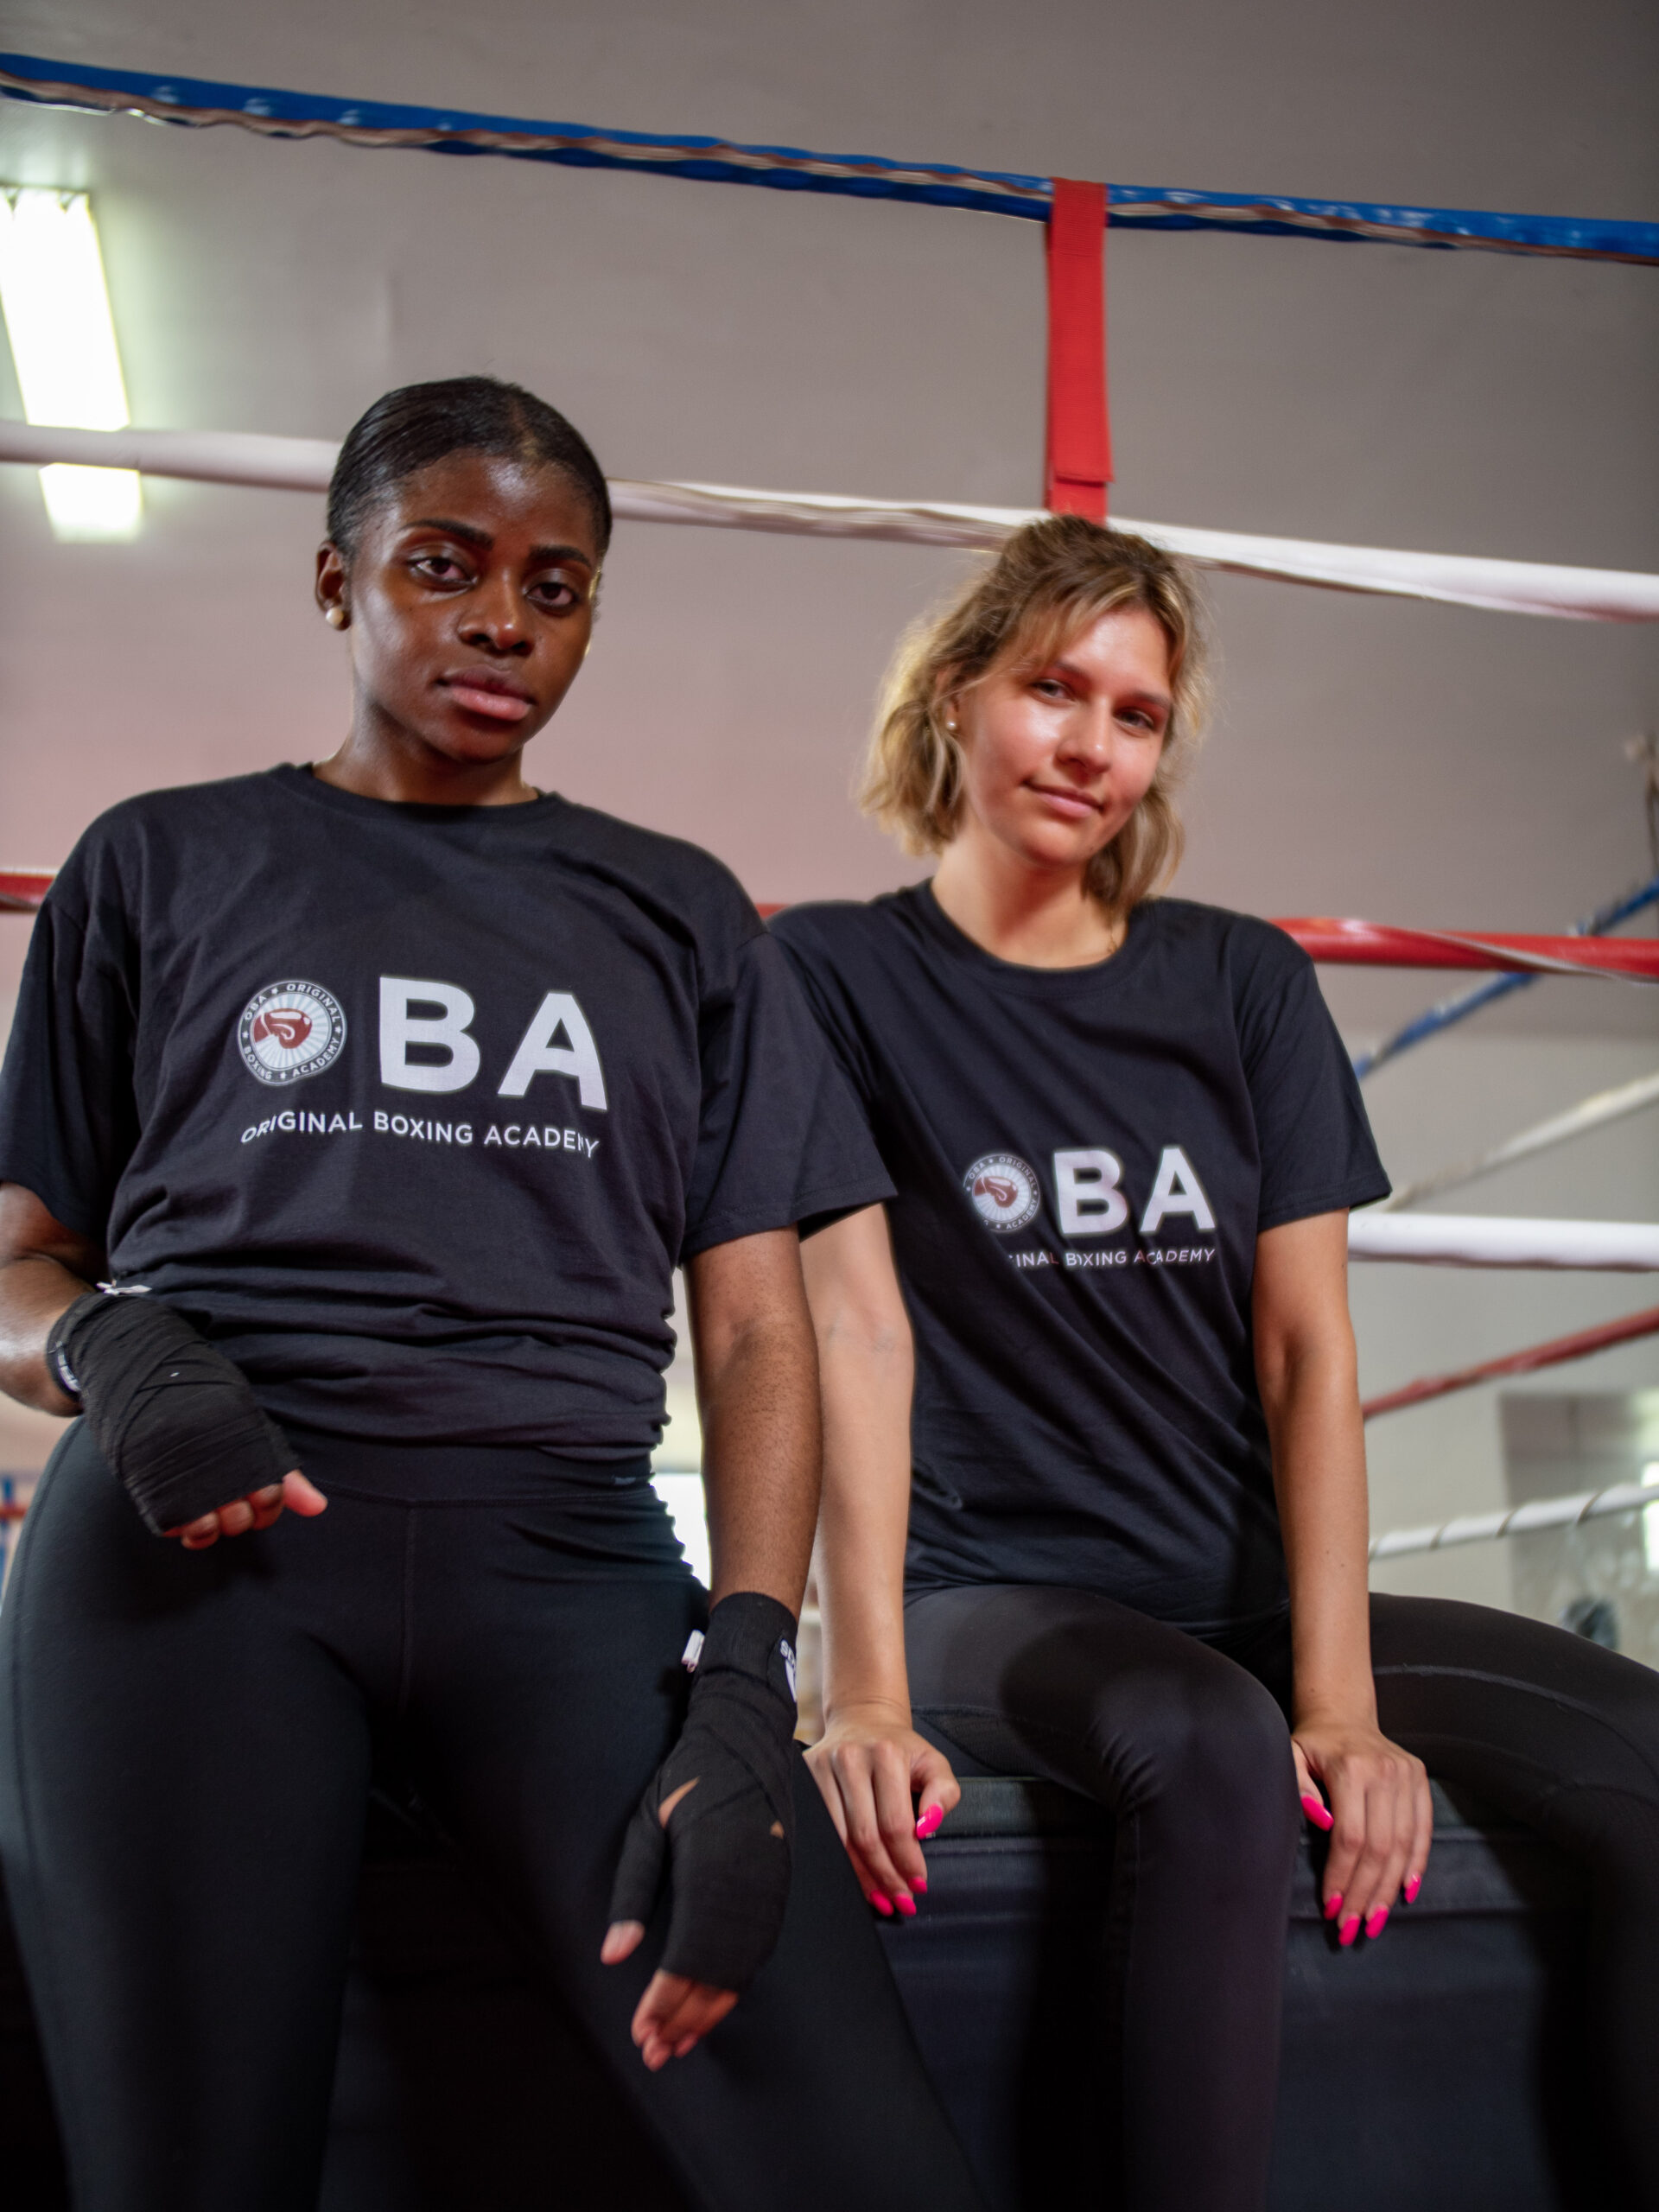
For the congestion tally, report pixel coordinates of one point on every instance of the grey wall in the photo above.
(1369, 756)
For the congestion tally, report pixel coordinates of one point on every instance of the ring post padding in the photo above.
(1078, 464)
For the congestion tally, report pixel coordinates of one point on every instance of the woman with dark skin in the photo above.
(450, 1543)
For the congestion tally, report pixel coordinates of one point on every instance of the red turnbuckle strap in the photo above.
(1078, 461)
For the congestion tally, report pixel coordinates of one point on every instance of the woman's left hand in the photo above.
(869, 1765)
(1380, 1816)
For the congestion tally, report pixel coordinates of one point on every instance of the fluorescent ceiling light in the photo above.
(57, 311)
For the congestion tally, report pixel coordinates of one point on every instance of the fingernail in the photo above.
(1317, 1813)
(882, 1905)
(1333, 1904)
(1413, 1883)
(920, 1885)
(929, 1822)
(905, 1904)
(1348, 1930)
(1376, 1924)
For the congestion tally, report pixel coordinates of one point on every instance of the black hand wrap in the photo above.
(730, 1837)
(175, 1419)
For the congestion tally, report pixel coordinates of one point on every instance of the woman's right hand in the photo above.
(294, 1494)
(870, 1765)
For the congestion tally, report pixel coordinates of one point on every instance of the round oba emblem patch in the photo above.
(291, 1030)
(1004, 1188)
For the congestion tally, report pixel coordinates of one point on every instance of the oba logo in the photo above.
(1004, 1188)
(291, 1030)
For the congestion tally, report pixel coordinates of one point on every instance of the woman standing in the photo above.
(379, 1099)
(1126, 1137)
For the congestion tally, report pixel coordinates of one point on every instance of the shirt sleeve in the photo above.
(1317, 1152)
(781, 1140)
(820, 979)
(68, 1117)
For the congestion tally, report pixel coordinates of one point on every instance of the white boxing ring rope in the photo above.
(1518, 1520)
(1592, 1112)
(1450, 1240)
(305, 465)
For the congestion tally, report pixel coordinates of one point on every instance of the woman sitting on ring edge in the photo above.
(1126, 1137)
(384, 1096)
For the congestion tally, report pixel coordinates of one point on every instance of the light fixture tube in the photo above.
(57, 312)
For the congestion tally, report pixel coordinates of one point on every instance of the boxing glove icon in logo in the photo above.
(1004, 1188)
(291, 1030)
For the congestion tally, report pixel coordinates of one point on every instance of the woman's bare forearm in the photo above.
(44, 1268)
(758, 1397)
(865, 1364)
(1319, 1476)
(1307, 1371)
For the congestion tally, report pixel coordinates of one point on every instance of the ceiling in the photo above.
(1411, 763)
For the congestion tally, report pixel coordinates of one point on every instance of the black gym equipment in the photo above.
(1446, 2067)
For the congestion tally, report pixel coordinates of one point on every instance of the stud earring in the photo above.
(335, 617)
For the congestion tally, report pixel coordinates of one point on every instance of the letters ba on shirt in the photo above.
(1090, 1203)
(424, 1044)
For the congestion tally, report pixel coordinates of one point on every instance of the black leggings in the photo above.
(185, 1750)
(1187, 1744)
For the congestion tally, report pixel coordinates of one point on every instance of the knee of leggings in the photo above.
(1217, 1741)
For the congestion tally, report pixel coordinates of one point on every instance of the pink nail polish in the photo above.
(905, 1904)
(882, 1905)
(1317, 1813)
(920, 1885)
(1376, 1924)
(1413, 1883)
(930, 1820)
(1333, 1904)
(1348, 1930)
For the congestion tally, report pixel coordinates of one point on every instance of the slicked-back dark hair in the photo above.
(419, 423)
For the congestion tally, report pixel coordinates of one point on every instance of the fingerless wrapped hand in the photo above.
(175, 1419)
(730, 1837)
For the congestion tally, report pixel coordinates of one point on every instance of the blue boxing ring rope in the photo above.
(1449, 1012)
(276, 113)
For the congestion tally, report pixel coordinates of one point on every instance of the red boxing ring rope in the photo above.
(1559, 1348)
(1337, 943)
(1376, 944)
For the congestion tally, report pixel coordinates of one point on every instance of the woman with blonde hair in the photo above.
(1120, 1539)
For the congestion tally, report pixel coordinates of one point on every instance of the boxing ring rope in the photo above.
(1584, 1343)
(1377, 945)
(1480, 1240)
(1596, 1112)
(274, 113)
(1518, 1520)
(1446, 1012)
(265, 462)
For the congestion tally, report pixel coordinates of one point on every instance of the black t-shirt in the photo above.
(414, 1110)
(1084, 1158)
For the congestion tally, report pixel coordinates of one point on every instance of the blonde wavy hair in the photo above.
(1052, 579)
